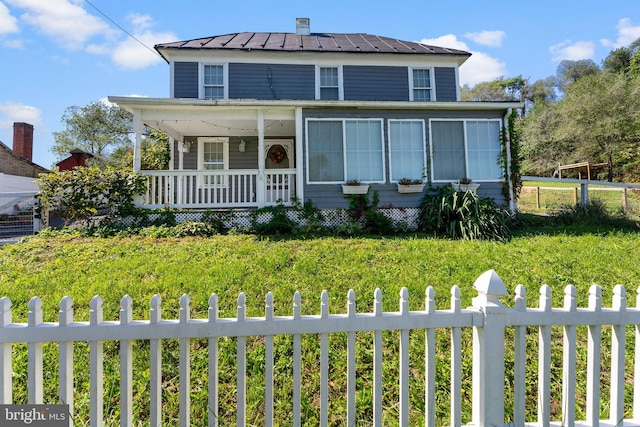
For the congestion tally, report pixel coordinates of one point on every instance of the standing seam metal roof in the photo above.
(315, 42)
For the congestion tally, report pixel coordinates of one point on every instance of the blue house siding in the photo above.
(445, 79)
(371, 83)
(327, 196)
(185, 79)
(271, 81)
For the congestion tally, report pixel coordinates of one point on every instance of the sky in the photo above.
(55, 54)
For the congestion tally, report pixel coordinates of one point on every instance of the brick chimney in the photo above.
(23, 140)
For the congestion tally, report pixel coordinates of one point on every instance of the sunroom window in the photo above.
(465, 148)
(406, 149)
(342, 150)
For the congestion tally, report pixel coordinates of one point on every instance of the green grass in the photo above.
(227, 265)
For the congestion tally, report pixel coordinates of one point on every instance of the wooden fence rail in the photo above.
(488, 318)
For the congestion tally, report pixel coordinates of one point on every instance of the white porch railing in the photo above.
(488, 318)
(218, 189)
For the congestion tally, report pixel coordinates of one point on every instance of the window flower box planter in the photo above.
(466, 187)
(410, 188)
(355, 189)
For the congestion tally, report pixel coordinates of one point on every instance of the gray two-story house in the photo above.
(257, 118)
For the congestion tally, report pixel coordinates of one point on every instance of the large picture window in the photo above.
(342, 150)
(406, 149)
(465, 148)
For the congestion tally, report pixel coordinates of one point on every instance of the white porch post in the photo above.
(299, 156)
(137, 148)
(488, 352)
(260, 184)
(172, 153)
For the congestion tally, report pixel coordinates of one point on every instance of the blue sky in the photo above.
(59, 53)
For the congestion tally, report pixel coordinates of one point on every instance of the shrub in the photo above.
(445, 212)
(365, 211)
(217, 220)
(594, 213)
(80, 193)
(194, 229)
(350, 228)
(278, 223)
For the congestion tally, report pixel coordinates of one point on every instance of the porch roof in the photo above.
(228, 117)
(131, 103)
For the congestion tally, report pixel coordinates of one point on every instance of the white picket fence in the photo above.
(488, 318)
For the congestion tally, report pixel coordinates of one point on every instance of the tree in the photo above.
(542, 91)
(155, 152)
(500, 89)
(104, 130)
(597, 120)
(98, 128)
(602, 115)
(572, 71)
(618, 60)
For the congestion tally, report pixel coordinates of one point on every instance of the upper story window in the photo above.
(421, 84)
(213, 82)
(329, 83)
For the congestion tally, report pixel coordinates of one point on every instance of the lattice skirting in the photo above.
(332, 218)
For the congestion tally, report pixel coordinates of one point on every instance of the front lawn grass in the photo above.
(227, 265)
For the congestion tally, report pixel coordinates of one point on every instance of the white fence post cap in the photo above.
(489, 286)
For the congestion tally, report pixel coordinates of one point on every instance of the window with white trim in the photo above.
(213, 82)
(342, 150)
(406, 149)
(465, 148)
(213, 155)
(421, 84)
(329, 83)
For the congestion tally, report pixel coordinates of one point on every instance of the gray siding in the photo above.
(369, 83)
(271, 81)
(327, 196)
(445, 79)
(185, 79)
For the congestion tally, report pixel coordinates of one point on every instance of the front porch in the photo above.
(224, 154)
(240, 188)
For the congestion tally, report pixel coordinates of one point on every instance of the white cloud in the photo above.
(139, 53)
(480, 67)
(13, 44)
(130, 54)
(572, 51)
(627, 34)
(487, 38)
(11, 112)
(140, 22)
(63, 20)
(8, 23)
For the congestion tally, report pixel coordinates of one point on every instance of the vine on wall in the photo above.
(512, 173)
